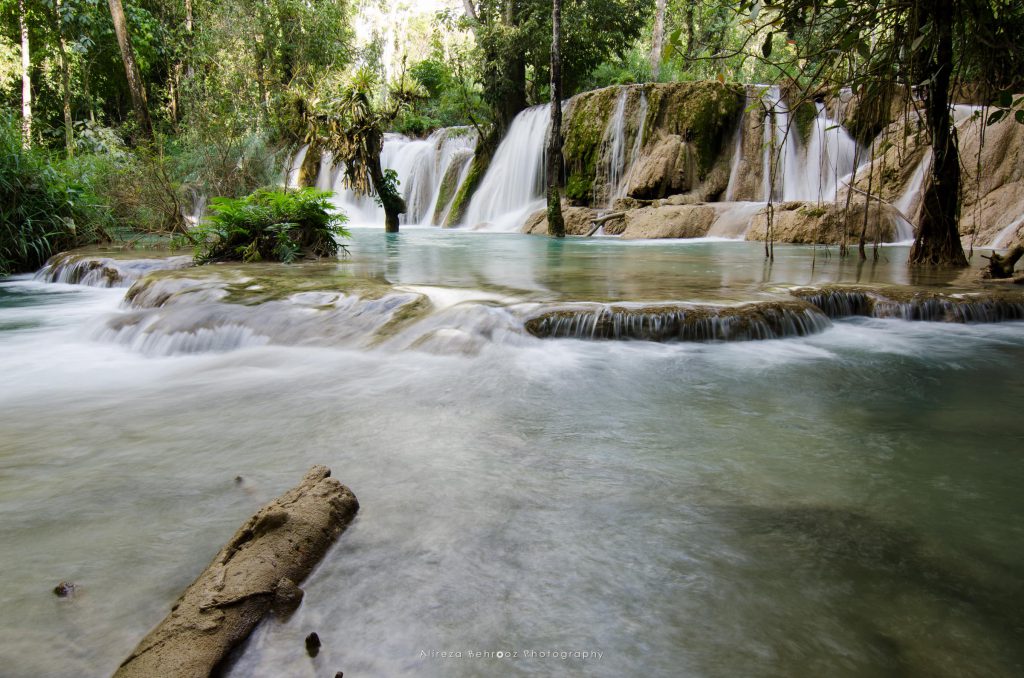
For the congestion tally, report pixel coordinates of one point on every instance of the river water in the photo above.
(842, 504)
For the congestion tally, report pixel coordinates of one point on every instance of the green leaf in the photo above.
(1019, 116)
(766, 48)
(996, 116)
(1005, 99)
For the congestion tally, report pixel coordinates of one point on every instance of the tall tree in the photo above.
(556, 223)
(131, 69)
(938, 234)
(351, 125)
(65, 78)
(916, 46)
(26, 78)
(658, 39)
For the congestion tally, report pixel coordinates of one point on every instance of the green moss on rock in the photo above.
(703, 113)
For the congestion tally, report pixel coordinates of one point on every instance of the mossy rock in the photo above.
(579, 189)
(585, 125)
(703, 113)
(477, 169)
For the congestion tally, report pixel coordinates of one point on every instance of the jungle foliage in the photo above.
(270, 225)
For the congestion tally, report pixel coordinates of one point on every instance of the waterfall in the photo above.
(829, 155)
(421, 165)
(909, 203)
(1005, 236)
(615, 143)
(324, 177)
(737, 159)
(514, 184)
(809, 172)
(293, 168)
(634, 153)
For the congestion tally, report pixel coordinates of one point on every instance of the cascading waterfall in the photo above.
(513, 186)
(325, 177)
(737, 159)
(421, 165)
(830, 154)
(294, 167)
(909, 203)
(1004, 237)
(634, 153)
(615, 142)
(792, 171)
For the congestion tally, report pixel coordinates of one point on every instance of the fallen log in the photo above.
(598, 221)
(1000, 265)
(258, 571)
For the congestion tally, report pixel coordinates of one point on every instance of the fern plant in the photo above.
(270, 225)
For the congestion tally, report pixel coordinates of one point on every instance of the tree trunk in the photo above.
(556, 224)
(65, 77)
(938, 236)
(392, 202)
(658, 39)
(26, 79)
(689, 32)
(131, 70)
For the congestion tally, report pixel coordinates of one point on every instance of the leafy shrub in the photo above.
(42, 207)
(270, 225)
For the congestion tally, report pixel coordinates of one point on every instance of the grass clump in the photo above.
(270, 225)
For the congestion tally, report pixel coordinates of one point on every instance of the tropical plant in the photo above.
(270, 225)
(42, 210)
(352, 127)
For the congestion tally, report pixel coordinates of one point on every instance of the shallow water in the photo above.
(844, 504)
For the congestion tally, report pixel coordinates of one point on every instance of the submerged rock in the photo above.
(65, 589)
(313, 644)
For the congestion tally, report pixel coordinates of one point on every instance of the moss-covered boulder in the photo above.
(678, 129)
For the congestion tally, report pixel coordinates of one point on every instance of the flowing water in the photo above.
(845, 503)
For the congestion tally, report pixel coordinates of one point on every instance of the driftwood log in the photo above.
(599, 221)
(258, 571)
(1001, 265)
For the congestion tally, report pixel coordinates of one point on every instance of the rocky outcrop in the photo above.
(100, 270)
(677, 130)
(578, 221)
(826, 223)
(257, 572)
(669, 221)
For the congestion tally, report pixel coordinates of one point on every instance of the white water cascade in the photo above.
(421, 165)
(909, 203)
(615, 142)
(634, 154)
(808, 171)
(293, 168)
(514, 184)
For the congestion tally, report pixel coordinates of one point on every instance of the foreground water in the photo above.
(844, 504)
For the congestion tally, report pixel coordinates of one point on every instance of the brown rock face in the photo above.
(670, 221)
(578, 221)
(828, 223)
(257, 570)
(670, 168)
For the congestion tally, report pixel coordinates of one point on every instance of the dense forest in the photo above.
(117, 115)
